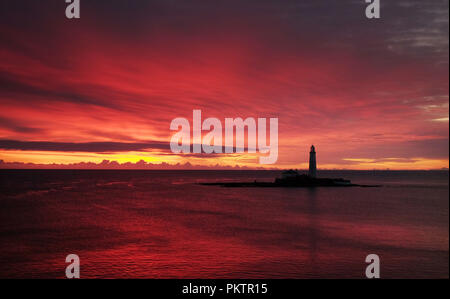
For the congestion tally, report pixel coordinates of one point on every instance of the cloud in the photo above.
(17, 127)
(93, 147)
(106, 164)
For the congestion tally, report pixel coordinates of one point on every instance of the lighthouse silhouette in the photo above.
(312, 162)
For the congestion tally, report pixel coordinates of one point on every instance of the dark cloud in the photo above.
(94, 147)
(11, 84)
(17, 127)
(100, 147)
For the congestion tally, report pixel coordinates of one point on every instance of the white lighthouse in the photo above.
(312, 162)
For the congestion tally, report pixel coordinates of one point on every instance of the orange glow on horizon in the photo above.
(232, 160)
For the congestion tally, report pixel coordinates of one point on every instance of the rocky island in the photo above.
(293, 178)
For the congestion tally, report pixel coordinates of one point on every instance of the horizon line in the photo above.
(143, 165)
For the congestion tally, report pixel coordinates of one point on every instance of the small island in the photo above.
(293, 178)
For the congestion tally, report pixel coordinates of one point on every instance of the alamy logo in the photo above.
(73, 269)
(212, 141)
(73, 9)
(373, 269)
(373, 9)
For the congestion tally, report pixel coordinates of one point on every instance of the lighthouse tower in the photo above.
(312, 162)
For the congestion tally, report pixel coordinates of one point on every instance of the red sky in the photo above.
(370, 94)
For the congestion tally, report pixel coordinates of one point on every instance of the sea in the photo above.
(165, 224)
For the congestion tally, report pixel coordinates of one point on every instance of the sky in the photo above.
(368, 93)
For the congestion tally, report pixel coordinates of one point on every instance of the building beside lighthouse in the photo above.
(312, 163)
(312, 173)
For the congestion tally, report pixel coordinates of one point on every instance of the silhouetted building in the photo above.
(312, 162)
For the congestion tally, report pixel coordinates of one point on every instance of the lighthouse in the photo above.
(312, 162)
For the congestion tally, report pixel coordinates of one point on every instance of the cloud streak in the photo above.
(93, 147)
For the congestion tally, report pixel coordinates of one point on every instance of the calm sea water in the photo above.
(161, 224)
